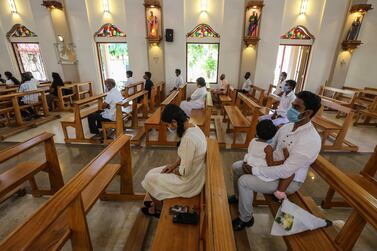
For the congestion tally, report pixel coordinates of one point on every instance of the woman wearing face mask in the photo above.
(186, 176)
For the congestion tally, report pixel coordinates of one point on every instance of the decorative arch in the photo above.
(203, 31)
(109, 30)
(20, 31)
(299, 32)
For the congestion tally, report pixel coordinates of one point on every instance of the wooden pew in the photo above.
(329, 129)
(133, 88)
(154, 121)
(240, 122)
(365, 179)
(83, 90)
(156, 95)
(367, 114)
(128, 109)
(214, 231)
(82, 109)
(257, 94)
(202, 117)
(63, 217)
(63, 99)
(344, 97)
(11, 179)
(228, 99)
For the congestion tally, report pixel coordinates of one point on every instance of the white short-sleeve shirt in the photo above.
(247, 85)
(113, 97)
(285, 103)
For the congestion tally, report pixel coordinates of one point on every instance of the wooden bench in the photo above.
(240, 122)
(214, 231)
(128, 109)
(11, 179)
(157, 95)
(202, 117)
(64, 99)
(257, 94)
(154, 121)
(365, 179)
(83, 90)
(337, 132)
(82, 109)
(367, 115)
(343, 97)
(228, 99)
(63, 217)
(133, 89)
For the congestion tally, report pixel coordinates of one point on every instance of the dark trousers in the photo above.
(28, 112)
(94, 121)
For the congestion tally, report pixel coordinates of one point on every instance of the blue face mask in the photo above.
(286, 88)
(269, 141)
(293, 115)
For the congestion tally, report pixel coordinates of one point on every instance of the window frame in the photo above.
(218, 61)
(98, 43)
(20, 65)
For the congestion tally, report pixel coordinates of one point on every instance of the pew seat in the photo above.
(326, 123)
(186, 237)
(198, 117)
(237, 119)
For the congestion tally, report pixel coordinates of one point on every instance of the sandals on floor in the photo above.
(145, 211)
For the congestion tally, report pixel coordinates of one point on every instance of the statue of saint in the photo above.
(152, 25)
(353, 33)
(253, 25)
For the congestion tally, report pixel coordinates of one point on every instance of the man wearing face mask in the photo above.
(303, 144)
(280, 116)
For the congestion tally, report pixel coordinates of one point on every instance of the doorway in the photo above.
(113, 61)
(294, 60)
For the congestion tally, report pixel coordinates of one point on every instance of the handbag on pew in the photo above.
(292, 219)
(184, 215)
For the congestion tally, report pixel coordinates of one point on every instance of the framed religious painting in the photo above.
(253, 15)
(153, 15)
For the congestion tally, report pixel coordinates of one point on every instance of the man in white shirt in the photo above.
(28, 85)
(303, 143)
(109, 107)
(246, 87)
(178, 81)
(197, 99)
(130, 80)
(280, 116)
(280, 87)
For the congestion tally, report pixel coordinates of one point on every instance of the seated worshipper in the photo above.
(280, 115)
(109, 107)
(11, 80)
(246, 87)
(178, 81)
(222, 88)
(56, 82)
(260, 153)
(186, 176)
(303, 144)
(28, 85)
(148, 85)
(197, 99)
(280, 86)
(32, 78)
(130, 80)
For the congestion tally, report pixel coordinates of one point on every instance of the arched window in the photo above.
(27, 51)
(202, 54)
(112, 51)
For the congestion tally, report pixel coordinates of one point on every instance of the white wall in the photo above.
(363, 68)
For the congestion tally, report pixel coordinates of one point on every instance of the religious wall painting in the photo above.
(20, 31)
(153, 15)
(203, 31)
(109, 30)
(253, 14)
(299, 32)
(353, 24)
(66, 53)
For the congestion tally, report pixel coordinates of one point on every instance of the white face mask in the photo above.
(171, 130)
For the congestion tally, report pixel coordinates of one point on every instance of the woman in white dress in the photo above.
(186, 176)
(197, 99)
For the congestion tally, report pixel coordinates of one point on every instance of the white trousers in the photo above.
(187, 106)
(246, 184)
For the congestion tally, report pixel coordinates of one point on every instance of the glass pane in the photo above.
(202, 61)
(114, 61)
(30, 58)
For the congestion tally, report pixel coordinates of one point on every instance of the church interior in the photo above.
(92, 93)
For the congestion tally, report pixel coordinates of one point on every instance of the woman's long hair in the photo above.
(56, 79)
(171, 112)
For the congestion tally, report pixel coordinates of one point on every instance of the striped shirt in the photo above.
(27, 87)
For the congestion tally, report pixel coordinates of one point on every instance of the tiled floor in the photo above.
(110, 222)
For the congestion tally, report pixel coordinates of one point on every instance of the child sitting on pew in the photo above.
(260, 153)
